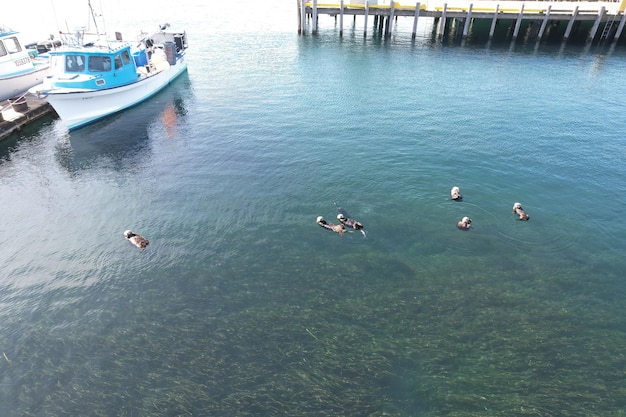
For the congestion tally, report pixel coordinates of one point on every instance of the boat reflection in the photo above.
(123, 140)
(169, 118)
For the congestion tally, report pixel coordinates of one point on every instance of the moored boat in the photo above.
(18, 70)
(90, 81)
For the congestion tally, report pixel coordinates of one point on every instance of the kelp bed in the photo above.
(323, 335)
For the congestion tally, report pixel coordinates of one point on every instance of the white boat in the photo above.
(19, 71)
(90, 81)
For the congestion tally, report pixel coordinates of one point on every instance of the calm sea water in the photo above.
(243, 306)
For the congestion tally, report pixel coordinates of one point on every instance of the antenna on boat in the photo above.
(104, 22)
(93, 16)
(56, 19)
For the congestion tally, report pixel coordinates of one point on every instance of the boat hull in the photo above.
(80, 108)
(12, 86)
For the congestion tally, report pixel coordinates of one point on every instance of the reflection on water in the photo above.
(122, 140)
(170, 117)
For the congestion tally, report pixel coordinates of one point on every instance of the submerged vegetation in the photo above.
(371, 335)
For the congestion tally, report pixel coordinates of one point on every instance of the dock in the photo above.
(18, 113)
(591, 20)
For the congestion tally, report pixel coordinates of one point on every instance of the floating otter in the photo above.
(518, 210)
(465, 223)
(338, 228)
(139, 241)
(345, 219)
(351, 223)
(455, 194)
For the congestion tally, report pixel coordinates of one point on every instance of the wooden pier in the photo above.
(604, 20)
(15, 114)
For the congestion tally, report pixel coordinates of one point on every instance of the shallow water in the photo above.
(242, 305)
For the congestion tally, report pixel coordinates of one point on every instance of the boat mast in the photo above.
(95, 22)
(93, 16)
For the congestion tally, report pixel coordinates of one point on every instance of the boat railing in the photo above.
(81, 38)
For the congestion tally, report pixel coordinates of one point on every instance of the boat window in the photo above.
(118, 62)
(99, 63)
(125, 57)
(74, 63)
(3, 50)
(57, 64)
(12, 45)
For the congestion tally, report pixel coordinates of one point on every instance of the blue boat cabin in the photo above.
(93, 69)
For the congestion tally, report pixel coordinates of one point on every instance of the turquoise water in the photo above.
(242, 306)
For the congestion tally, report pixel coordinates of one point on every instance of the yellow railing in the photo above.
(362, 6)
(490, 10)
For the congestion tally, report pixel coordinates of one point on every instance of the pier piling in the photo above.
(417, 15)
(390, 19)
(518, 23)
(494, 21)
(544, 23)
(620, 28)
(341, 20)
(568, 30)
(367, 10)
(596, 25)
(442, 22)
(314, 17)
(468, 20)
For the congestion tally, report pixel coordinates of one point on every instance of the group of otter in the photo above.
(466, 222)
(344, 220)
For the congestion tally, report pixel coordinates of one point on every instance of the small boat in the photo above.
(89, 81)
(19, 70)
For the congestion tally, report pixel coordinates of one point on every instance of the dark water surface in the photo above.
(242, 306)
